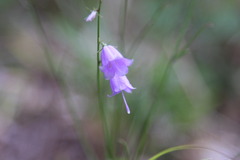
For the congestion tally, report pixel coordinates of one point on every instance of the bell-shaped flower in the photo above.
(113, 63)
(118, 85)
(91, 16)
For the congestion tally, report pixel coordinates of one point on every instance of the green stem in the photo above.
(185, 147)
(148, 119)
(143, 32)
(142, 137)
(183, 51)
(107, 138)
(98, 59)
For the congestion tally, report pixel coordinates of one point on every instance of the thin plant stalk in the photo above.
(141, 139)
(107, 138)
(183, 51)
(178, 53)
(143, 32)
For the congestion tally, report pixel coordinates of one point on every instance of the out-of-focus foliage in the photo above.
(48, 77)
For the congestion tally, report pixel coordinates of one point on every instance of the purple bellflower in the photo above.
(115, 67)
(91, 16)
(118, 85)
(113, 63)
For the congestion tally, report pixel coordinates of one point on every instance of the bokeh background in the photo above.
(186, 70)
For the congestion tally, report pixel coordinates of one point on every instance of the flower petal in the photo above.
(108, 71)
(91, 16)
(126, 82)
(127, 62)
(120, 83)
(119, 66)
(114, 51)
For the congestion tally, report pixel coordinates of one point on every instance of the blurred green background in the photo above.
(186, 70)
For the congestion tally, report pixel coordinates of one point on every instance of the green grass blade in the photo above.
(184, 147)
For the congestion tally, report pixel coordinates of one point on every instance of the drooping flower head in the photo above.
(115, 67)
(91, 16)
(118, 85)
(113, 63)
